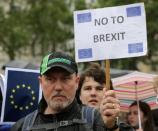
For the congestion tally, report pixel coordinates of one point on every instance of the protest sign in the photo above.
(110, 33)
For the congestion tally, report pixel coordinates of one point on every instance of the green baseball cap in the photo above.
(58, 59)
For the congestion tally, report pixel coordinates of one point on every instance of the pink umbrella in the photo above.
(136, 86)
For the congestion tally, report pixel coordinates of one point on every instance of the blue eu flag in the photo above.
(22, 93)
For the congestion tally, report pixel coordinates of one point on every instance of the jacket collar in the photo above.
(72, 109)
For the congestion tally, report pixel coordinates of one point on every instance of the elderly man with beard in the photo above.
(58, 109)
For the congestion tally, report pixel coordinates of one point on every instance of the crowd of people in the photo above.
(66, 95)
(90, 92)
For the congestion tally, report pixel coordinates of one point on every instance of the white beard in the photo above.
(59, 105)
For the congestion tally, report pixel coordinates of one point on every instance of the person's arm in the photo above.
(110, 109)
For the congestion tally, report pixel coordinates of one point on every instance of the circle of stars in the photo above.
(12, 97)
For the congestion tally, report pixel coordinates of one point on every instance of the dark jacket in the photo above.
(73, 111)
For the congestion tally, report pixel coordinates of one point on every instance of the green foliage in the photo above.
(80, 4)
(50, 23)
(12, 32)
(46, 25)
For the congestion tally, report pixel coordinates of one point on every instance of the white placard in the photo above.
(110, 33)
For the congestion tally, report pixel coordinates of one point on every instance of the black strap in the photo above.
(29, 120)
(57, 124)
(87, 116)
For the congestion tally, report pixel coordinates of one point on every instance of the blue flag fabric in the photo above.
(84, 17)
(133, 11)
(85, 53)
(22, 94)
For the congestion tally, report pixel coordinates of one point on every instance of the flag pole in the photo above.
(139, 119)
(107, 74)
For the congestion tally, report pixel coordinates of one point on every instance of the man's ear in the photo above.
(77, 81)
(40, 79)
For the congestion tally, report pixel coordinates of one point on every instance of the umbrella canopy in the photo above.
(135, 86)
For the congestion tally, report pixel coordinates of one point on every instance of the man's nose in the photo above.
(58, 85)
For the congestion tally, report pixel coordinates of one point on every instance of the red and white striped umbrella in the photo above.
(136, 86)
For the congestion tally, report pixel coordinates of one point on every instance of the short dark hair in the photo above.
(95, 71)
